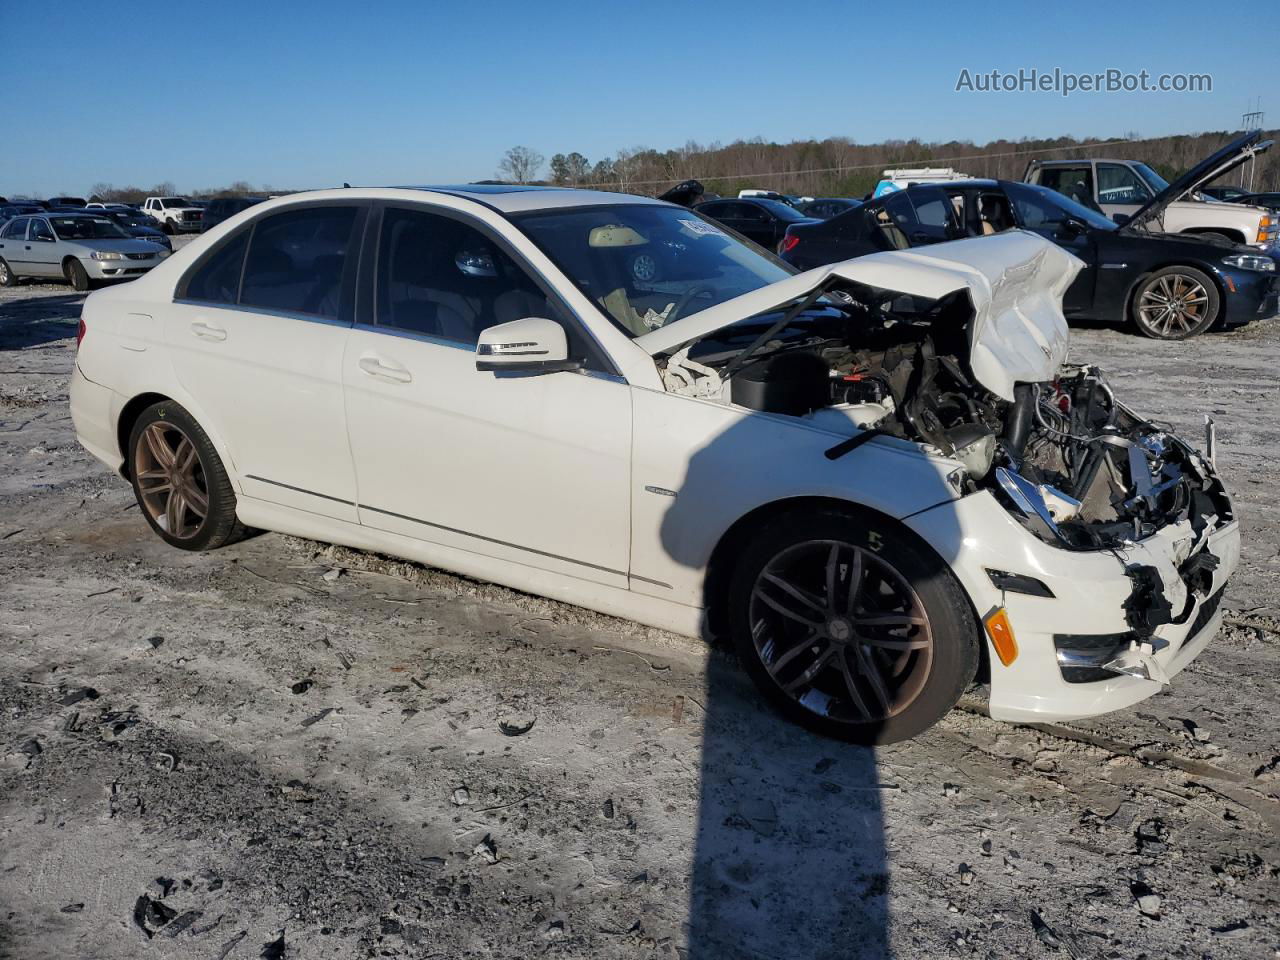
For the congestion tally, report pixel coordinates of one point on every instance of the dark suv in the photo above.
(223, 208)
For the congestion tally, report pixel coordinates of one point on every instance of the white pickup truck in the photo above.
(1122, 188)
(175, 214)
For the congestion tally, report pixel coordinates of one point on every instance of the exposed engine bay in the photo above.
(1068, 460)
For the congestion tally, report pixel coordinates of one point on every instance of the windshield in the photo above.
(647, 266)
(175, 202)
(86, 228)
(1154, 180)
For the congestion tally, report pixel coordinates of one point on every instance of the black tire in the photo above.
(167, 227)
(7, 277)
(890, 559)
(1193, 304)
(75, 273)
(219, 525)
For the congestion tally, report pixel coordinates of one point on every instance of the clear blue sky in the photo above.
(315, 92)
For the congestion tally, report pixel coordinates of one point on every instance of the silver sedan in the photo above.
(77, 247)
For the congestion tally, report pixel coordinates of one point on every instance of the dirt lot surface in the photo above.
(284, 749)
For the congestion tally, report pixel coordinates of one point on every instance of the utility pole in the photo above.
(1251, 120)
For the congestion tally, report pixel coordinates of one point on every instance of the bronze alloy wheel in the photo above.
(1174, 305)
(840, 631)
(171, 480)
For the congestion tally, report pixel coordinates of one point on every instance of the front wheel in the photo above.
(76, 275)
(1175, 303)
(179, 481)
(852, 626)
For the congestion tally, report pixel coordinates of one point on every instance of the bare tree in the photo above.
(520, 164)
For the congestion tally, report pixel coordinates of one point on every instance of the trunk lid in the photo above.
(1015, 282)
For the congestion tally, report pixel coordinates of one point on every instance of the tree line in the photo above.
(838, 166)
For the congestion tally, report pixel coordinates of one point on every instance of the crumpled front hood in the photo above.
(1015, 281)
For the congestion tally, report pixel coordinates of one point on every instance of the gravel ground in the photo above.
(241, 754)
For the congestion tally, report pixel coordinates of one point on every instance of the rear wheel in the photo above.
(1175, 303)
(7, 277)
(851, 626)
(179, 481)
(75, 273)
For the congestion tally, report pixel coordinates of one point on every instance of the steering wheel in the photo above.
(698, 289)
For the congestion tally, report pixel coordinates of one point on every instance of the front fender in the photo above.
(699, 466)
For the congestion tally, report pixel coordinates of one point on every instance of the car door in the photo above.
(522, 467)
(1120, 189)
(14, 247)
(256, 336)
(1038, 213)
(45, 250)
(756, 224)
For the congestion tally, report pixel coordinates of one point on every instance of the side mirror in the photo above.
(1121, 218)
(531, 345)
(1071, 227)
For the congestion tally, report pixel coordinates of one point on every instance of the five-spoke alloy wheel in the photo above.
(851, 626)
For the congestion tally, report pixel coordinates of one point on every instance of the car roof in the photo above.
(515, 198)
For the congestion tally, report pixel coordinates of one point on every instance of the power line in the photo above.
(861, 166)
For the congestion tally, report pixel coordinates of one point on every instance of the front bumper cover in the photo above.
(1092, 596)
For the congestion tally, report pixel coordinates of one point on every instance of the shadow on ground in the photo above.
(790, 857)
(32, 321)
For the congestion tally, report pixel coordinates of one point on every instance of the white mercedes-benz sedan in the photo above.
(880, 479)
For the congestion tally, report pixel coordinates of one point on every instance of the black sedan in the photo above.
(1170, 286)
(756, 218)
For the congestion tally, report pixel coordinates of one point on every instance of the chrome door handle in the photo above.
(207, 331)
(385, 371)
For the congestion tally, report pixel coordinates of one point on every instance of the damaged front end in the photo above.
(977, 375)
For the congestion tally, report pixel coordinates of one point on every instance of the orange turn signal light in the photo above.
(1001, 634)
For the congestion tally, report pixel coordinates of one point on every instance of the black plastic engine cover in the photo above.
(793, 383)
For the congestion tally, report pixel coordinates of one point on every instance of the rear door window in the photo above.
(1073, 182)
(218, 278)
(298, 259)
(16, 229)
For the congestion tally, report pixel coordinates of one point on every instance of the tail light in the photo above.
(789, 242)
(80, 333)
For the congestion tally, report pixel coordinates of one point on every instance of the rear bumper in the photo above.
(1090, 590)
(94, 414)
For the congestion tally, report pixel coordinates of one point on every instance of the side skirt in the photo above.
(612, 601)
